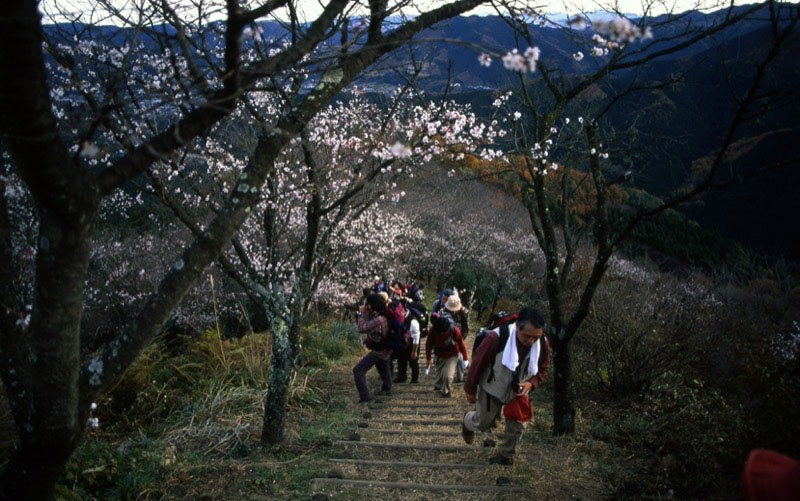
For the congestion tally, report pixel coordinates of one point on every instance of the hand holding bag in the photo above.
(518, 409)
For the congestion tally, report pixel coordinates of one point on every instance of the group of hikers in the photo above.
(510, 356)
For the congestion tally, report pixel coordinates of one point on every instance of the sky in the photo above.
(312, 8)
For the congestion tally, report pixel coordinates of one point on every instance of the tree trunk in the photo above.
(563, 389)
(280, 372)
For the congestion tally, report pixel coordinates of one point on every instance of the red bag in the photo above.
(518, 409)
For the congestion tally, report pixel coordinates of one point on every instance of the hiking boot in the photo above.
(414, 381)
(466, 434)
(364, 400)
(385, 393)
(399, 380)
(501, 460)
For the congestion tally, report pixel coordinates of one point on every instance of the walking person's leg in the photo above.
(508, 444)
(414, 363)
(439, 366)
(385, 371)
(449, 372)
(402, 365)
(359, 375)
(487, 409)
(460, 369)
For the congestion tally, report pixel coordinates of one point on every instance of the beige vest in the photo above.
(496, 378)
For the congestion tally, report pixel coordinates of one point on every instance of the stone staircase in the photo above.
(408, 446)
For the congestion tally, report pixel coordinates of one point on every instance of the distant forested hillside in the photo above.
(671, 111)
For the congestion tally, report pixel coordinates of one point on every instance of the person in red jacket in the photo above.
(445, 341)
(770, 476)
(506, 372)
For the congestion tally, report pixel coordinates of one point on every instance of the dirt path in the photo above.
(409, 446)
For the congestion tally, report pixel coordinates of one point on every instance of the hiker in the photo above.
(509, 363)
(354, 307)
(438, 305)
(460, 316)
(397, 289)
(409, 355)
(445, 341)
(380, 285)
(415, 292)
(372, 323)
(457, 311)
(395, 314)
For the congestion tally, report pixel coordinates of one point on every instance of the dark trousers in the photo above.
(365, 364)
(403, 361)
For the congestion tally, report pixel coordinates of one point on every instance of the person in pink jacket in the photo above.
(373, 325)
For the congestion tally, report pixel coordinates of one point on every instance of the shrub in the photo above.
(684, 437)
(100, 470)
(248, 355)
(638, 331)
(324, 344)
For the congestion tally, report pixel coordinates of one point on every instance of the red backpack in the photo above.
(395, 318)
(500, 319)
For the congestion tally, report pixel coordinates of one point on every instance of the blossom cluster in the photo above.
(621, 30)
(521, 63)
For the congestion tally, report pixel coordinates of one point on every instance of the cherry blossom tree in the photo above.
(173, 77)
(563, 172)
(315, 211)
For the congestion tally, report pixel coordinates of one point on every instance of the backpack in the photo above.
(439, 320)
(418, 310)
(395, 318)
(500, 319)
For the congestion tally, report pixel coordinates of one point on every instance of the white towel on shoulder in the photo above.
(510, 357)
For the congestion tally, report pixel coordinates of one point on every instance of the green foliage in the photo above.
(335, 421)
(148, 391)
(247, 356)
(478, 278)
(464, 275)
(675, 236)
(100, 470)
(328, 343)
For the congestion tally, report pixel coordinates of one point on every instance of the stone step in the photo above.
(416, 422)
(422, 433)
(422, 487)
(393, 412)
(393, 405)
(383, 445)
(409, 464)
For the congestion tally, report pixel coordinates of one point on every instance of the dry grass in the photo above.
(213, 448)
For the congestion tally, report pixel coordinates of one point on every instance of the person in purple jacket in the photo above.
(502, 370)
